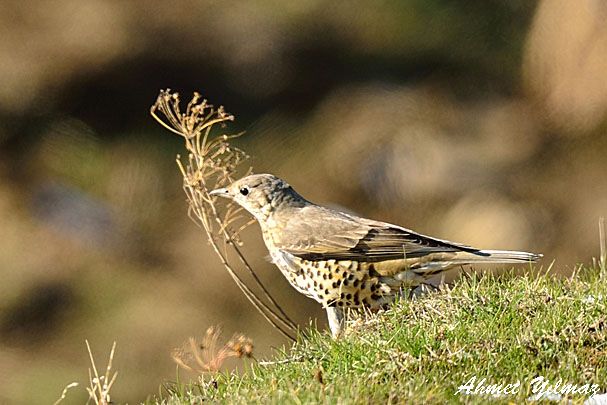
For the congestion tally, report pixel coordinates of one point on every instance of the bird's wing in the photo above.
(318, 233)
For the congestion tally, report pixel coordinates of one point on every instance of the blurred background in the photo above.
(480, 122)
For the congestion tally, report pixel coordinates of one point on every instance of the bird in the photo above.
(344, 261)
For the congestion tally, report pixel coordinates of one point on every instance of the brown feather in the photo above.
(318, 233)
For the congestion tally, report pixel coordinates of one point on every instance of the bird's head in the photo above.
(261, 194)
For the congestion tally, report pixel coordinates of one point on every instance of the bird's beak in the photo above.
(221, 192)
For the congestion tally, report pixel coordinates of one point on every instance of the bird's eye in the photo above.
(244, 191)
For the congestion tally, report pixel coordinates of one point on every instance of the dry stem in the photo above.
(99, 389)
(603, 247)
(212, 163)
(206, 355)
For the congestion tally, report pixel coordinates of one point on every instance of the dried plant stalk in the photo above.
(603, 247)
(205, 355)
(212, 163)
(99, 389)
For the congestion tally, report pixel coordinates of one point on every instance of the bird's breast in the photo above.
(339, 283)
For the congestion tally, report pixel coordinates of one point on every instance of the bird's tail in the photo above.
(438, 262)
(422, 269)
(503, 256)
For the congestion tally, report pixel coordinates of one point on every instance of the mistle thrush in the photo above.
(344, 261)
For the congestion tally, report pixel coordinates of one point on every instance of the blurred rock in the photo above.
(74, 214)
(566, 61)
(37, 314)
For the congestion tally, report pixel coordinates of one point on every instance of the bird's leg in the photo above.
(336, 321)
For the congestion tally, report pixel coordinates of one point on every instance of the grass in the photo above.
(504, 328)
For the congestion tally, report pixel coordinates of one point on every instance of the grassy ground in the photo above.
(503, 329)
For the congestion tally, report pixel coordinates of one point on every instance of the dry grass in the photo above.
(64, 392)
(213, 162)
(206, 355)
(601, 263)
(100, 385)
(603, 246)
